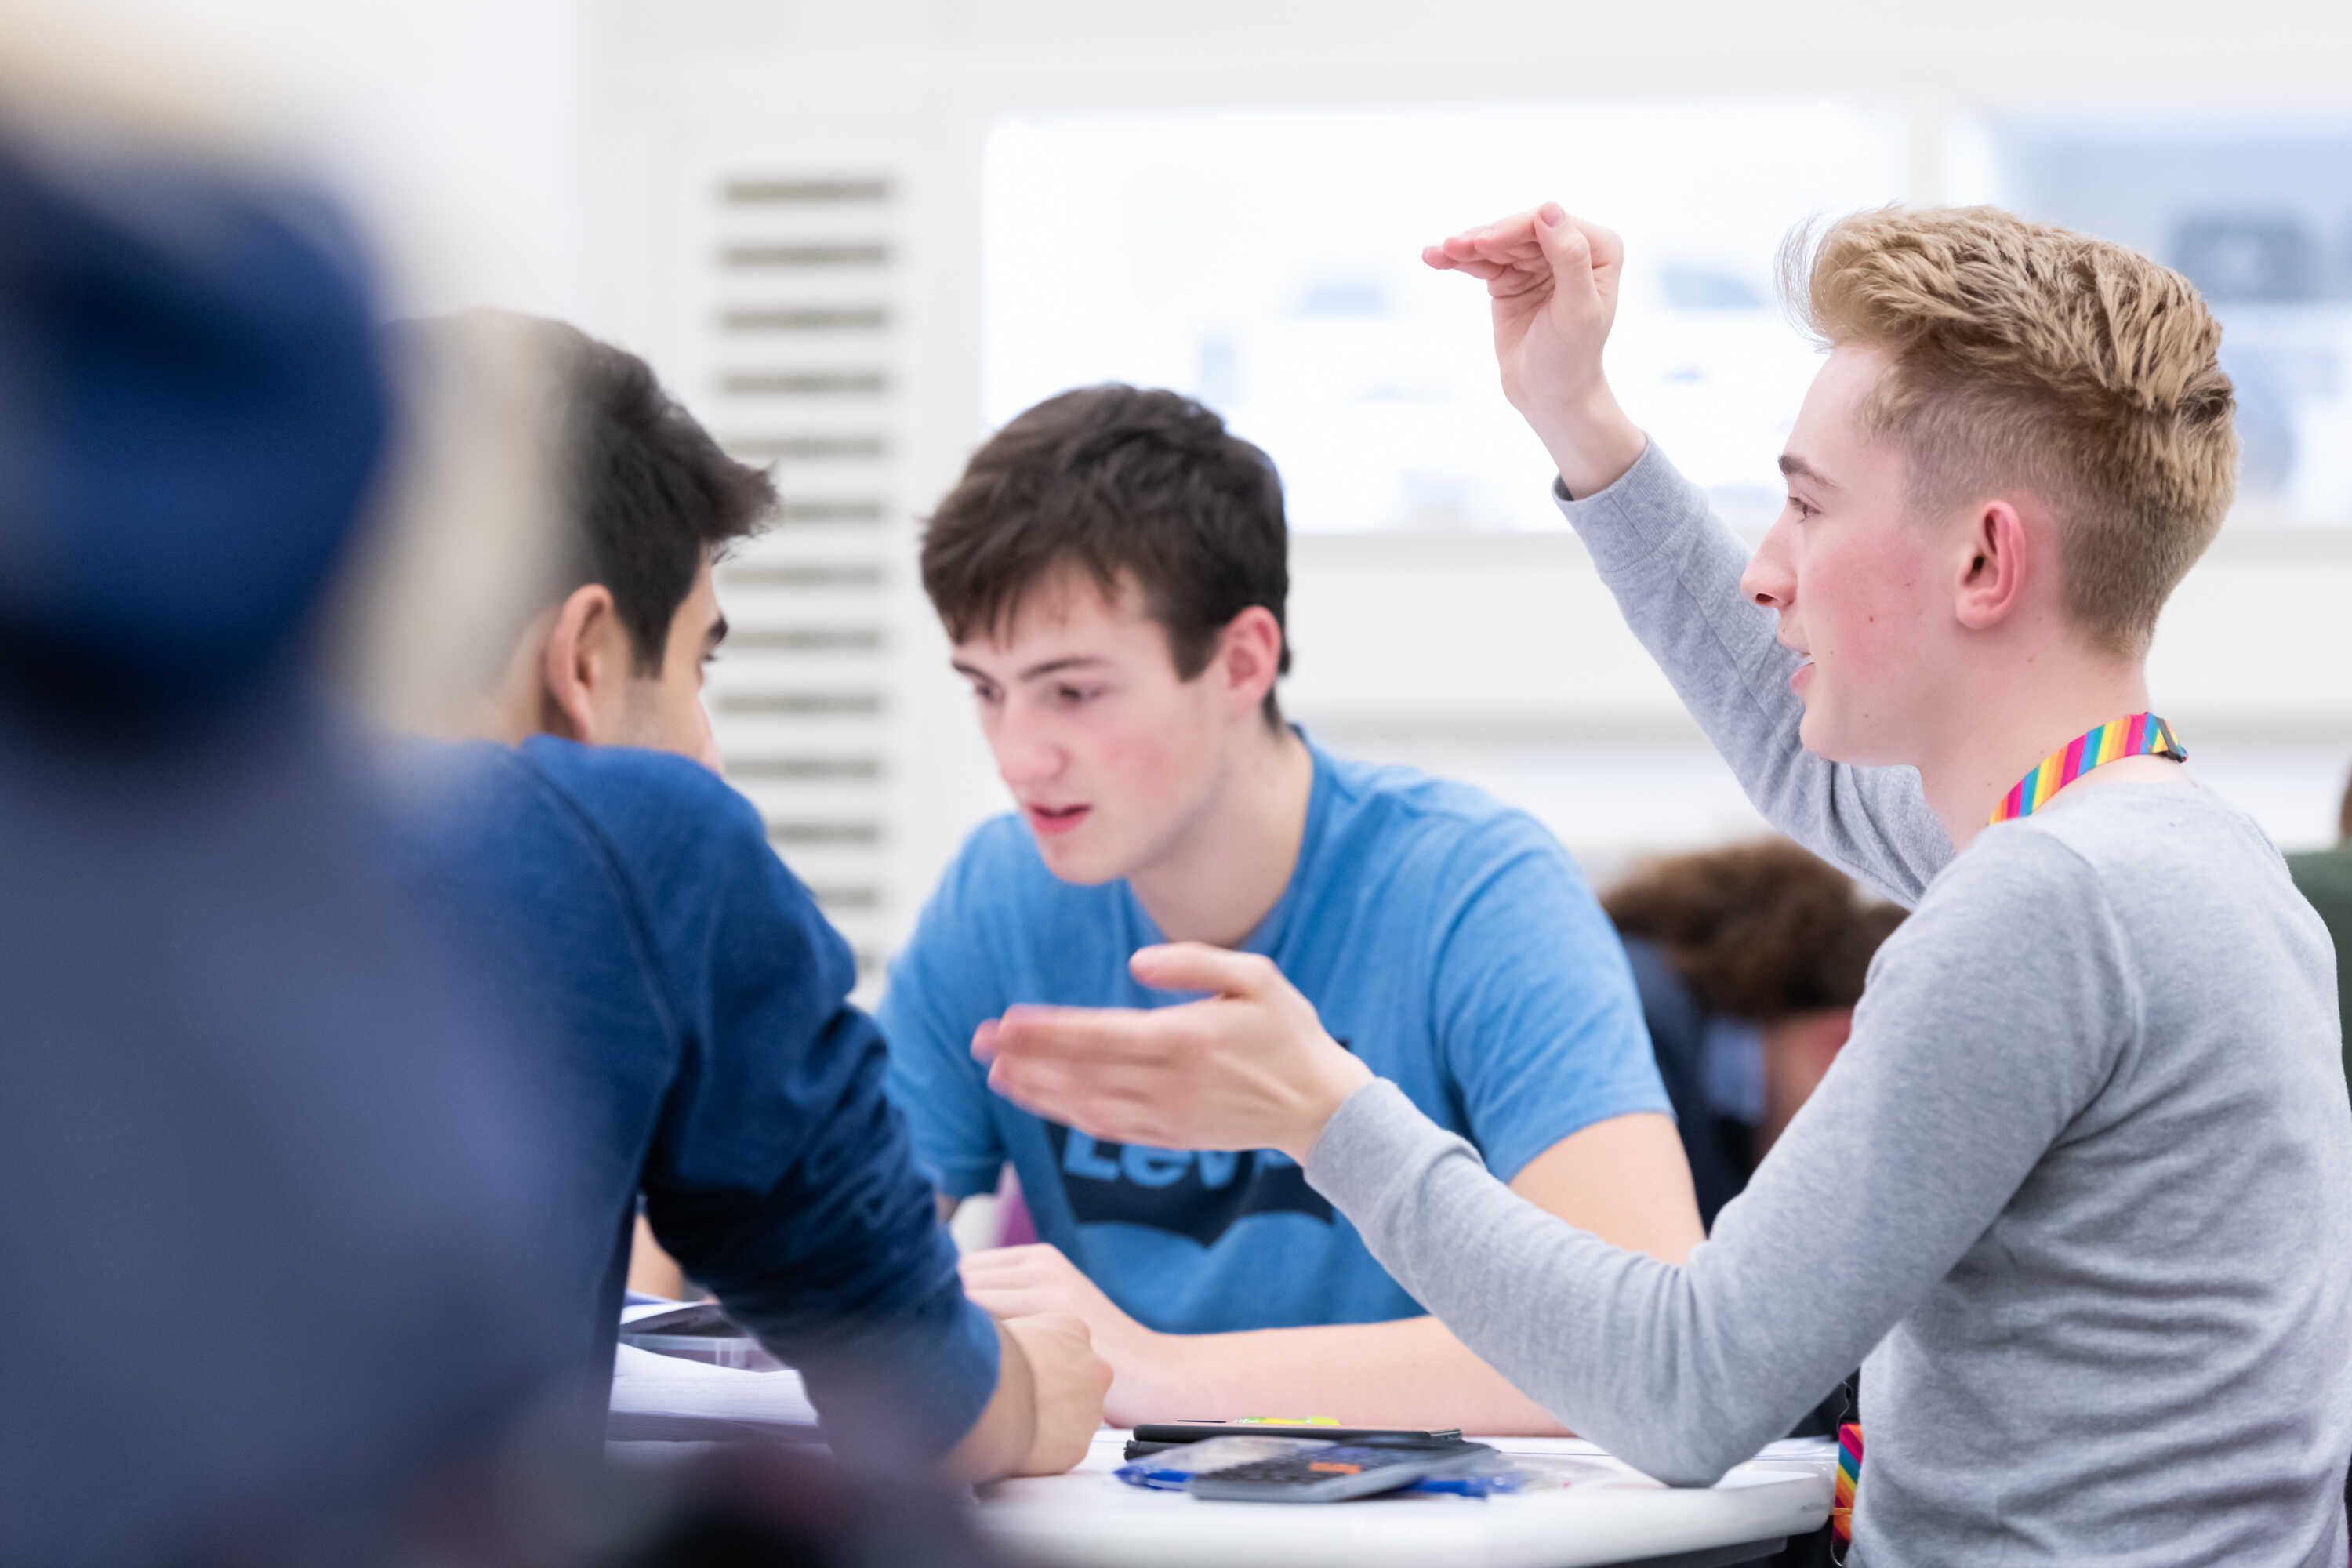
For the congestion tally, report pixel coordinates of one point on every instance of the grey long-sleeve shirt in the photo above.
(2079, 1188)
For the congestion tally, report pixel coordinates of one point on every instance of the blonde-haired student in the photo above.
(2079, 1185)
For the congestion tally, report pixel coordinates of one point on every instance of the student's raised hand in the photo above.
(1016, 1281)
(1068, 1382)
(1248, 1066)
(1552, 280)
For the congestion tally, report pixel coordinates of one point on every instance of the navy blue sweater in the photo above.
(692, 1005)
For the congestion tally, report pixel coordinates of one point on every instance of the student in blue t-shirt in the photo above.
(689, 997)
(1111, 570)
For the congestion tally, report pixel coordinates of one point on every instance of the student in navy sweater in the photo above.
(689, 994)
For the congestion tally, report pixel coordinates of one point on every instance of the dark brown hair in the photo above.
(649, 490)
(1757, 930)
(655, 495)
(1124, 483)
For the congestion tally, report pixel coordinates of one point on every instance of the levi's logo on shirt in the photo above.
(1195, 1193)
(1199, 1192)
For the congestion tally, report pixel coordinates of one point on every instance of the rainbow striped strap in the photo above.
(1849, 1477)
(2141, 735)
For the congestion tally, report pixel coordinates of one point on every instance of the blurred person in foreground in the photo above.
(270, 1187)
(691, 995)
(1750, 960)
(2325, 877)
(2075, 1192)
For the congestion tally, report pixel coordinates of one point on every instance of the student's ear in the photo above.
(1249, 654)
(1993, 566)
(582, 666)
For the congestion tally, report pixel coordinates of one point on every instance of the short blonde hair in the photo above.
(2026, 355)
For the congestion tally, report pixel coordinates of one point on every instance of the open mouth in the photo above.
(1049, 820)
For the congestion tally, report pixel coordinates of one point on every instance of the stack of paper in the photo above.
(667, 1398)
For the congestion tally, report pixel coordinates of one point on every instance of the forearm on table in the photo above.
(1621, 1346)
(1409, 1372)
(1622, 1178)
(1000, 1439)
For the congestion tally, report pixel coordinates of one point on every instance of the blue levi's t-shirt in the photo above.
(1448, 940)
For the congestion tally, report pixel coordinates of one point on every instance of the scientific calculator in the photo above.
(1338, 1472)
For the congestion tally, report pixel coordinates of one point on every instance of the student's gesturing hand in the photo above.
(1552, 280)
(1249, 1066)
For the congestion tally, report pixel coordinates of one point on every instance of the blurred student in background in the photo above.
(2325, 877)
(1750, 960)
(1112, 569)
(691, 998)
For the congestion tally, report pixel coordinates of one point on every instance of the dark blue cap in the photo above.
(192, 411)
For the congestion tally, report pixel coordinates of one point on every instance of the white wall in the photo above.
(452, 126)
(549, 154)
(1497, 658)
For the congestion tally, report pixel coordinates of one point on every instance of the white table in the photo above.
(1607, 1513)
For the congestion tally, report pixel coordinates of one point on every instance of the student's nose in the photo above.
(1026, 754)
(1769, 581)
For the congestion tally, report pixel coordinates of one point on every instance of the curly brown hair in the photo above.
(1758, 929)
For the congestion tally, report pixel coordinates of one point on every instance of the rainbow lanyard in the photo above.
(1849, 1478)
(2141, 735)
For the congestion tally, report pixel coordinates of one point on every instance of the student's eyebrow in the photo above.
(1051, 667)
(1056, 665)
(1796, 468)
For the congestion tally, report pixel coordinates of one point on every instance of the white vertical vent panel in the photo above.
(798, 355)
